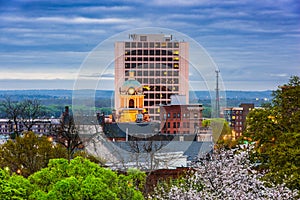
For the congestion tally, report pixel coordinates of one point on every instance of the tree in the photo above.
(226, 174)
(12, 110)
(287, 105)
(78, 179)
(25, 112)
(221, 132)
(284, 161)
(29, 153)
(14, 187)
(67, 134)
(275, 131)
(31, 111)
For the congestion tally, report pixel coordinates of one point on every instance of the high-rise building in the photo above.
(160, 64)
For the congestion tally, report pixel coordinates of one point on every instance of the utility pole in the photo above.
(217, 95)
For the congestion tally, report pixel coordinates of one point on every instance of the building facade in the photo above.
(180, 118)
(131, 101)
(160, 64)
(236, 117)
(41, 126)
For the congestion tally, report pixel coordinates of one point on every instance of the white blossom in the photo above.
(226, 174)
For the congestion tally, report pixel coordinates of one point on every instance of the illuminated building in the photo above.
(131, 101)
(236, 117)
(160, 64)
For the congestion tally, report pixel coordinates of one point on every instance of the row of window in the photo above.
(233, 112)
(151, 44)
(153, 88)
(152, 52)
(154, 111)
(172, 66)
(5, 130)
(238, 128)
(158, 81)
(177, 125)
(181, 139)
(153, 73)
(177, 115)
(158, 59)
(155, 103)
(237, 117)
(157, 96)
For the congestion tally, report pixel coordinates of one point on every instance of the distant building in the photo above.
(236, 117)
(160, 64)
(131, 101)
(180, 118)
(41, 126)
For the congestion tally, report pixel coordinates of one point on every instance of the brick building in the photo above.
(180, 118)
(236, 117)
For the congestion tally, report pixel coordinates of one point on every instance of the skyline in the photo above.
(43, 44)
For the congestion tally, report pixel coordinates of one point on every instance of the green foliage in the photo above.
(84, 154)
(287, 105)
(220, 130)
(14, 187)
(284, 160)
(276, 129)
(138, 178)
(78, 179)
(206, 112)
(28, 153)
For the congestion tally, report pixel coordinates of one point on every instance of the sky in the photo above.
(255, 44)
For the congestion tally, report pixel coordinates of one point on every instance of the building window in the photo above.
(174, 124)
(169, 115)
(174, 115)
(178, 115)
(169, 125)
(178, 124)
(181, 138)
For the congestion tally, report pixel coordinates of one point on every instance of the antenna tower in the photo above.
(217, 115)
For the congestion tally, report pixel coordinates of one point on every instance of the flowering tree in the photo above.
(226, 174)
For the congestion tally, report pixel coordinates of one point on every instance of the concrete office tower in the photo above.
(160, 64)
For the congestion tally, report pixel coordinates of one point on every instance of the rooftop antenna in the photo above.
(217, 94)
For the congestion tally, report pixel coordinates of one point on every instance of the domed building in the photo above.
(131, 101)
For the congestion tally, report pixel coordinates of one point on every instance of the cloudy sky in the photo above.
(255, 44)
